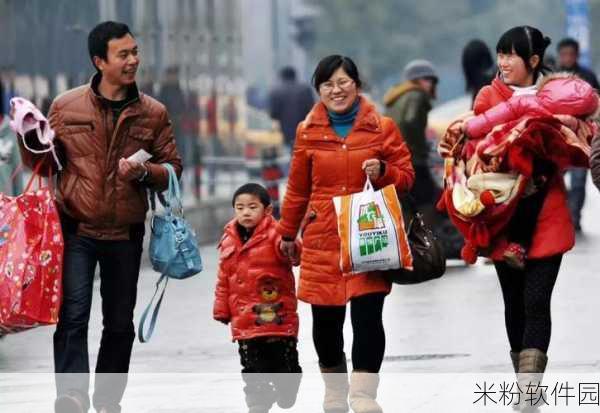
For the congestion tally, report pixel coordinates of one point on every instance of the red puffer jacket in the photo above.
(255, 284)
(554, 233)
(560, 93)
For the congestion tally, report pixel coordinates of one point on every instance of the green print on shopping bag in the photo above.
(369, 220)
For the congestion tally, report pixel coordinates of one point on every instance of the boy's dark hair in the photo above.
(330, 64)
(568, 42)
(100, 36)
(257, 190)
(526, 41)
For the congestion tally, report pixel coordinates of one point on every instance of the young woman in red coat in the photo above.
(527, 293)
(342, 140)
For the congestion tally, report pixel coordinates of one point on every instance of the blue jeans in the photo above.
(577, 194)
(119, 270)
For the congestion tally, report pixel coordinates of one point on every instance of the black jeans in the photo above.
(577, 194)
(266, 362)
(119, 270)
(368, 345)
(527, 295)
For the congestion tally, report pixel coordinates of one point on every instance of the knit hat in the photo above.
(418, 69)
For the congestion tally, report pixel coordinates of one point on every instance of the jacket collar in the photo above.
(366, 118)
(263, 225)
(502, 88)
(133, 95)
(397, 91)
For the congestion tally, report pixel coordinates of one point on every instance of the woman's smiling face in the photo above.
(513, 69)
(339, 92)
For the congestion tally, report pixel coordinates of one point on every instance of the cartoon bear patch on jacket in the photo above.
(267, 310)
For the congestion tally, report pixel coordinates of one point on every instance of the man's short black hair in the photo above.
(568, 42)
(257, 190)
(288, 73)
(102, 34)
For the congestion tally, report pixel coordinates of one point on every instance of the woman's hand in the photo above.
(372, 168)
(288, 249)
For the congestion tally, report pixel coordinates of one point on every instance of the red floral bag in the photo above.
(31, 259)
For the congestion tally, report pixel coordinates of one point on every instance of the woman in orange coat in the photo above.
(341, 141)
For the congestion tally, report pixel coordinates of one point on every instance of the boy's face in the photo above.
(249, 210)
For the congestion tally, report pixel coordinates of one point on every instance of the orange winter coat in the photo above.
(324, 166)
(255, 288)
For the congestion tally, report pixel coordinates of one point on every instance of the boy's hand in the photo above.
(288, 248)
(295, 259)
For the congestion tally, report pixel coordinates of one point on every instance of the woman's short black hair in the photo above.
(257, 190)
(526, 41)
(330, 64)
(100, 36)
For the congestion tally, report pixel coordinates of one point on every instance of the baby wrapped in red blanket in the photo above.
(495, 178)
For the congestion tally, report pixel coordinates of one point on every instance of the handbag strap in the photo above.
(173, 198)
(143, 336)
(368, 185)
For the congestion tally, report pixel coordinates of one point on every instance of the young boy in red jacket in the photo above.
(256, 293)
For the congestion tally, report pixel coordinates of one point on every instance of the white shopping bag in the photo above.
(371, 230)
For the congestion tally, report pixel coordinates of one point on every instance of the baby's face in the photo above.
(249, 210)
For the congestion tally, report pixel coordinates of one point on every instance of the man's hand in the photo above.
(130, 170)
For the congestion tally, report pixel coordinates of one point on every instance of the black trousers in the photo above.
(119, 270)
(527, 295)
(266, 366)
(368, 345)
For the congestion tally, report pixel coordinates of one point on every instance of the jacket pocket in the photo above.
(141, 134)
(74, 128)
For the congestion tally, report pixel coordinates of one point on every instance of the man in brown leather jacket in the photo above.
(103, 203)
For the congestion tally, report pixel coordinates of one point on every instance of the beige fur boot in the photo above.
(336, 388)
(363, 392)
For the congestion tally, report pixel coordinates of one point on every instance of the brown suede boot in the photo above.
(532, 365)
(363, 392)
(336, 388)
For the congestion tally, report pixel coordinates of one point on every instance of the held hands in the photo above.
(131, 170)
(288, 249)
(372, 168)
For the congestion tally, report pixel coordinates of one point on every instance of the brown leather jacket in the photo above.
(90, 143)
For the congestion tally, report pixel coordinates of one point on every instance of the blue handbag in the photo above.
(173, 248)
